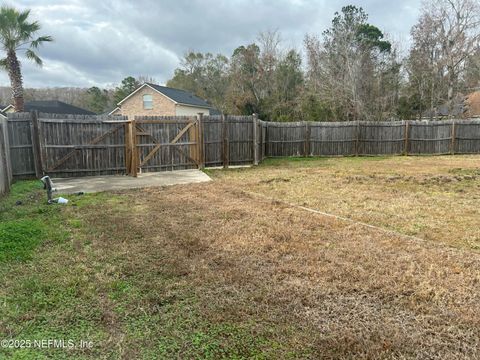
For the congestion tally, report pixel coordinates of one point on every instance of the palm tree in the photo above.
(18, 34)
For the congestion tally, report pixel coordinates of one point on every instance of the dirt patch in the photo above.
(269, 181)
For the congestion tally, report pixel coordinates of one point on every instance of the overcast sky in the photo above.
(99, 42)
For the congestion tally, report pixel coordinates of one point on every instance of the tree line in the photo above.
(352, 71)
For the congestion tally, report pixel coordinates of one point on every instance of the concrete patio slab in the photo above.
(89, 184)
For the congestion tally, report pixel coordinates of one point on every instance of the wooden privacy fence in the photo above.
(233, 140)
(372, 138)
(65, 145)
(76, 145)
(72, 145)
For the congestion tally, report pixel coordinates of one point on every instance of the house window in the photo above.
(147, 102)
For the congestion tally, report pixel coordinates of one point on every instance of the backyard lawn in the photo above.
(229, 269)
(435, 198)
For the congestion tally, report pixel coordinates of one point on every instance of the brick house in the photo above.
(151, 99)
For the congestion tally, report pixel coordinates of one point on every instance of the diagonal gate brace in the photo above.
(158, 146)
(93, 142)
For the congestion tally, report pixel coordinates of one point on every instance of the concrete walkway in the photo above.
(89, 184)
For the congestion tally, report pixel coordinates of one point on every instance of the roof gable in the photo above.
(176, 95)
(10, 106)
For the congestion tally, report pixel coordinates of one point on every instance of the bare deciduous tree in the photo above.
(353, 72)
(444, 39)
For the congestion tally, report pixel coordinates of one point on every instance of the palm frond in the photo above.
(34, 57)
(16, 30)
(3, 64)
(26, 30)
(7, 23)
(23, 16)
(35, 43)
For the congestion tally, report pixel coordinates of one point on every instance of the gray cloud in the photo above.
(100, 42)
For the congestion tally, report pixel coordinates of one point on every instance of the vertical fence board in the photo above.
(5, 162)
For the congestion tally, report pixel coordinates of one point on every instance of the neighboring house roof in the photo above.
(178, 96)
(54, 107)
(181, 96)
(455, 108)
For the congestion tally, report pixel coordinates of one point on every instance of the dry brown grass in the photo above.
(208, 271)
(313, 286)
(435, 198)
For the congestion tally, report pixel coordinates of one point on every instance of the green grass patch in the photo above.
(26, 221)
(19, 238)
(46, 293)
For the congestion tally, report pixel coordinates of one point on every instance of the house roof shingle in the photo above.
(181, 96)
(55, 107)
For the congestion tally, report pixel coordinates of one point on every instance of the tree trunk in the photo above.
(451, 83)
(15, 75)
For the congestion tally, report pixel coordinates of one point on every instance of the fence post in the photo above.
(225, 145)
(128, 147)
(200, 142)
(135, 160)
(267, 150)
(36, 149)
(452, 143)
(306, 144)
(264, 140)
(193, 140)
(406, 136)
(5, 160)
(357, 137)
(254, 140)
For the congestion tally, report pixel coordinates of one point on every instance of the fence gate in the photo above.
(163, 143)
(63, 145)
